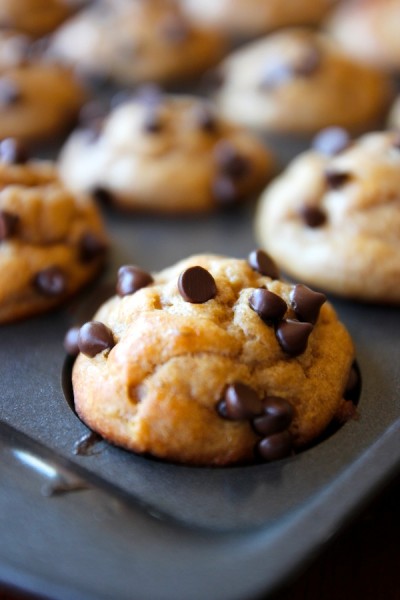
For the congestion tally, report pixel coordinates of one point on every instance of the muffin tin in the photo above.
(94, 521)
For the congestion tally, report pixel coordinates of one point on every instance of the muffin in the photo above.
(166, 154)
(332, 219)
(213, 361)
(52, 242)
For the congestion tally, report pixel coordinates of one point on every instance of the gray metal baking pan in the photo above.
(106, 523)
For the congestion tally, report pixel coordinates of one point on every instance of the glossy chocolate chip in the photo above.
(275, 446)
(205, 118)
(278, 414)
(293, 336)
(8, 224)
(306, 303)
(312, 216)
(331, 141)
(94, 337)
(12, 151)
(240, 402)
(10, 92)
(131, 279)
(268, 306)
(229, 161)
(225, 192)
(91, 247)
(152, 122)
(102, 195)
(50, 281)
(261, 262)
(197, 285)
(336, 179)
(71, 341)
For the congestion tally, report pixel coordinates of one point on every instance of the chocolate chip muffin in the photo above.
(38, 99)
(33, 17)
(249, 18)
(166, 154)
(139, 41)
(332, 219)
(369, 31)
(212, 361)
(52, 242)
(297, 81)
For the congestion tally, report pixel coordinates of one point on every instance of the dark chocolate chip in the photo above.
(224, 192)
(197, 285)
(51, 281)
(240, 402)
(131, 279)
(278, 414)
(275, 446)
(312, 216)
(94, 337)
(331, 141)
(10, 93)
(175, 29)
(205, 118)
(91, 247)
(71, 341)
(268, 306)
(293, 336)
(8, 224)
(309, 62)
(152, 122)
(102, 195)
(12, 151)
(229, 161)
(336, 179)
(306, 303)
(261, 262)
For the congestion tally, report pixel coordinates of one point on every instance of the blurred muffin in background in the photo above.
(168, 155)
(250, 18)
(34, 17)
(297, 81)
(368, 30)
(38, 99)
(137, 41)
(394, 115)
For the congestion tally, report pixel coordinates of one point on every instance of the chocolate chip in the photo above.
(293, 336)
(268, 306)
(312, 216)
(94, 337)
(197, 285)
(225, 193)
(261, 262)
(131, 279)
(175, 29)
(8, 224)
(51, 281)
(91, 247)
(309, 62)
(331, 141)
(336, 179)
(152, 122)
(240, 402)
(306, 303)
(71, 341)
(10, 93)
(275, 446)
(102, 195)
(12, 151)
(205, 118)
(229, 161)
(278, 414)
